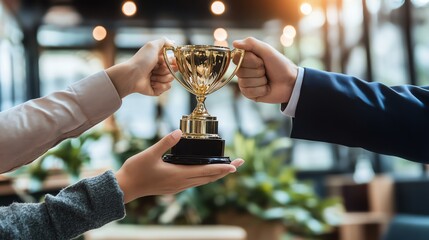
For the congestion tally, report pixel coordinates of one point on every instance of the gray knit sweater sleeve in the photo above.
(86, 205)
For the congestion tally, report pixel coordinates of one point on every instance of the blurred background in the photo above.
(288, 189)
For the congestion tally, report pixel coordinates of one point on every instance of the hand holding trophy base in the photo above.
(202, 69)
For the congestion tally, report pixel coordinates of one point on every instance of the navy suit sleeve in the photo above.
(345, 110)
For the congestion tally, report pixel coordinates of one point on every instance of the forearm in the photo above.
(344, 110)
(30, 129)
(88, 204)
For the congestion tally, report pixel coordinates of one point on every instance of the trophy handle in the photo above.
(171, 48)
(234, 51)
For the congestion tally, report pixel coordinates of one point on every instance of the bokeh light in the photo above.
(221, 43)
(220, 34)
(129, 8)
(218, 7)
(99, 33)
(289, 31)
(306, 8)
(286, 41)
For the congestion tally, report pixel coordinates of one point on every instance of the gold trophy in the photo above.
(203, 69)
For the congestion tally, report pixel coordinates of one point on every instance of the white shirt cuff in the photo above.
(293, 101)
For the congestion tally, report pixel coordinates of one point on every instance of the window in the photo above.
(12, 68)
(60, 68)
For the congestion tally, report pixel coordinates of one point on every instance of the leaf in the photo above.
(255, 210)
(274, 213)
(282, 197)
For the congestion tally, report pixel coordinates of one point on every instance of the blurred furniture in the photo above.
(256, 228)
(411, 219)
(411, 196)
(408, 227)
(116, 231)
(368, 206)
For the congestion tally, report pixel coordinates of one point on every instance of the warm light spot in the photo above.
(221, 43)
(129, 8)
(64, 16)
(306, 8)
(99, 33)
(289, 31)
(286, 41)
(218, 7)
(220, 34)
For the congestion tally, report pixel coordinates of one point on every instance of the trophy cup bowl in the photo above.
(202, 69)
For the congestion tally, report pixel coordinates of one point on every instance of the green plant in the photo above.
(72, 152)
(267, 188)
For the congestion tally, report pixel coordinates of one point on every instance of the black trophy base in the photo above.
(197, 152)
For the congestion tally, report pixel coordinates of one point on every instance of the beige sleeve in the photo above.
(30, 129)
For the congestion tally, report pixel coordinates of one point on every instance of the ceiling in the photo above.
(163, 13)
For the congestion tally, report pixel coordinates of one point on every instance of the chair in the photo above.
(404, 227)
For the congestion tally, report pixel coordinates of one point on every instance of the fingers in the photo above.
(252, 78)
(251, 73)
(162, 71)
(195, 182)
(237, 162)
(251, 60)
(160, 43)
(153, 48)
(168, 78)
(248, 82)
(212, 169)
(211, 175)
(168, 42)
(255, 92)
(196, 172)
(158, 88)
(166, 143)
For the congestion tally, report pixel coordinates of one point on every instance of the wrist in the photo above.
(293, 75)
(120, 75)
(124, 186)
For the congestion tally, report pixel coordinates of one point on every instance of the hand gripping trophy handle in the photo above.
(203, 69)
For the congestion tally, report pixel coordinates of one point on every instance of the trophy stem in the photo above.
(200, 110)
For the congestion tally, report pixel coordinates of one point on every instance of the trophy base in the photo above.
(197, 152)
(195, 160)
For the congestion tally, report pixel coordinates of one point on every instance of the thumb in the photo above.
(159, 43)
(167, 142)
(240, 44)
(253, 45)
